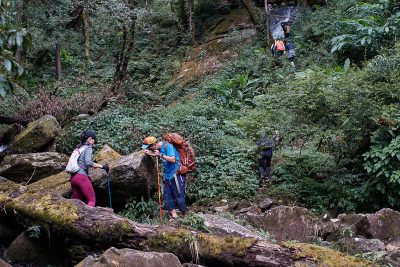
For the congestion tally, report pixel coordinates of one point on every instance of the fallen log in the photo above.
(101, 228)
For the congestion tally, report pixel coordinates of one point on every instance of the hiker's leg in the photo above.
(168, 196)
(88, 191)
(268, 158)
(75, 188)
(180, 197)
(261, 169)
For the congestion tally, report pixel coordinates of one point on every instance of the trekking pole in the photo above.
(159, 190)
(109, 189)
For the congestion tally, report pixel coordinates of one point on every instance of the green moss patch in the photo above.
(325, 256)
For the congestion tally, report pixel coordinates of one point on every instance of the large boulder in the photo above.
(22, 168)
(131, 258)
(359, 245)
(222, 226)
(288, 223)
(345, 225)
(131, 176)
(383, 225)
(7, 134)
(4, 264)
(37, 137)
(24, 250)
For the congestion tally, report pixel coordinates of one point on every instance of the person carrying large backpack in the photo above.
(78, 166)
(266, 146)
(278, 48)
(174, 171)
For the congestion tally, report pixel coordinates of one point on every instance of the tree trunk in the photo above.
(149, 19)
(101, 228)
(254, 14)
(85, 29)
(124, 55)
(58, 58)
(22, 18)
(267, 18)
(192, 29)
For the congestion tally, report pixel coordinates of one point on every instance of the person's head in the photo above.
(283, 24)
(88, 137)
(151, 143)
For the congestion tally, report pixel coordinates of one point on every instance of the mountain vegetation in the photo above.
(204, 69)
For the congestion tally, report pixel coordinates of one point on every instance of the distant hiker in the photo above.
(266, 147)
(174, 183)
(286, 29)
(291, 52)
(278, 48)
(81, 185)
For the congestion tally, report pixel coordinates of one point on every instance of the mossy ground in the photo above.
(327, 257)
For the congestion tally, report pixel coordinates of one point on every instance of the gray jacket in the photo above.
(85, 160)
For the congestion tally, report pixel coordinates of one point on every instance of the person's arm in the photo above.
(169, 154)
(88, 159)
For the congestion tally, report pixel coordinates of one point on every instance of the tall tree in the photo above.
(58, 58)
(128, 44)
(85, 30)
(189, 8)
(267, 18)
(255, 16)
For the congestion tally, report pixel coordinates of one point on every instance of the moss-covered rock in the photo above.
(31, 167)
(106, 155)
(327, 257)
(37, 137)
(134, 258)
(287, 223)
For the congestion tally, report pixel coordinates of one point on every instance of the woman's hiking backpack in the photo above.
(279, 46)
(185, 150)
(73, 166)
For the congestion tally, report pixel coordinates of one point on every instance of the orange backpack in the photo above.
(185, 150)
(279, 45)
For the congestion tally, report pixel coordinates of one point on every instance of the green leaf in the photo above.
(20, 70)
(7, 64)
(346, 65)
(19, 38)
(2, 92)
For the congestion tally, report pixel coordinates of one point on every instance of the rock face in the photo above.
(222, 226)
(288, 223)
(10, 132)
(358, 245)
(23, 250)
(131, 258)
(131, 176)
(266, 204)
(37, 137)
(4, 264)
(383, 225)
(34, 166)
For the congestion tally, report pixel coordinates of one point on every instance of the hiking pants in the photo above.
(172, 197)
(82, 189)
(264, 163)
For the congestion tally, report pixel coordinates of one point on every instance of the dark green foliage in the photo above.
(304, 177)
(142, 211)
(382, 162)
(11, 40)
(192, 221)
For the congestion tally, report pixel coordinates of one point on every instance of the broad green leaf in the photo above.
(19, 38)
(7, 64)
(20, 70)
(346, 65)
